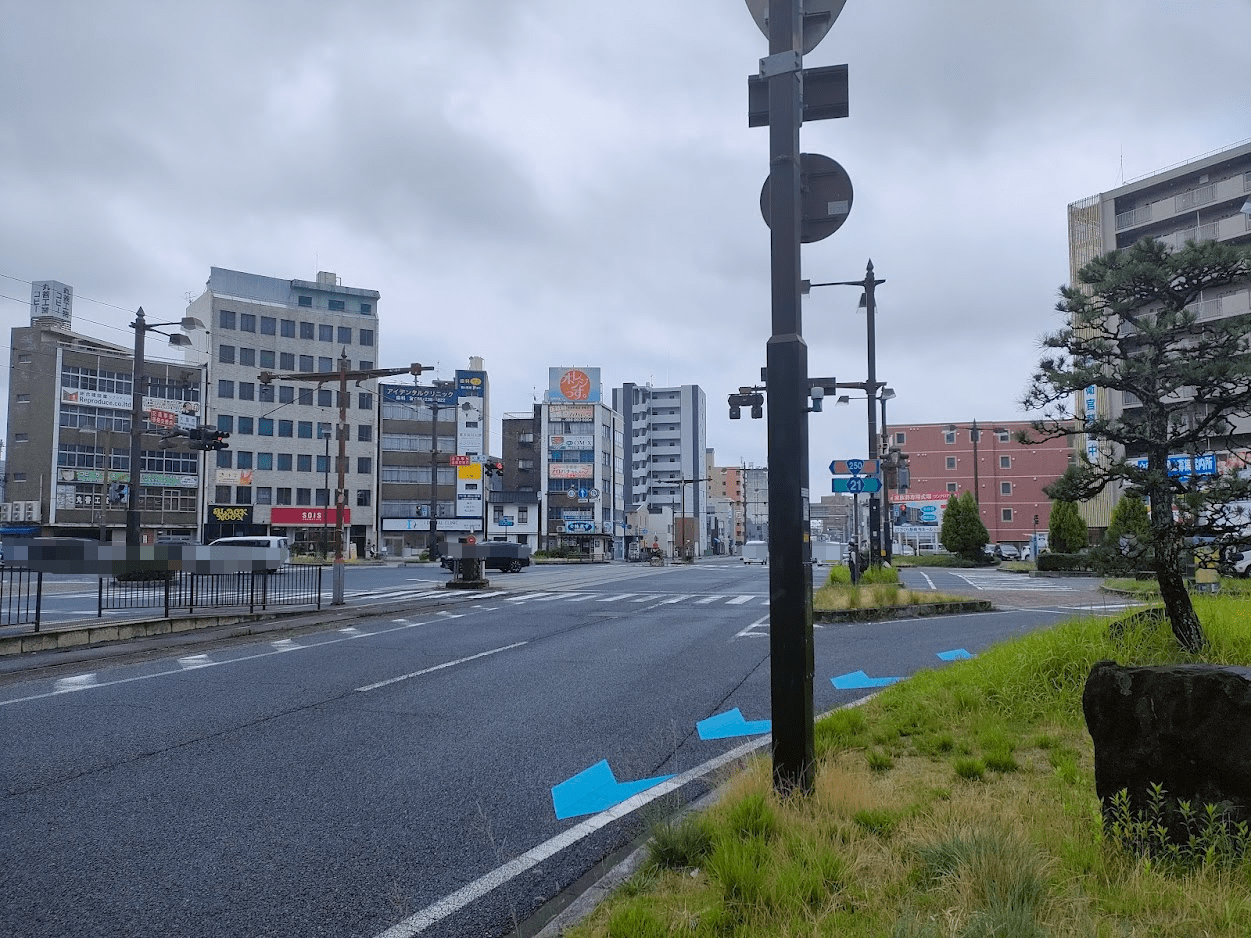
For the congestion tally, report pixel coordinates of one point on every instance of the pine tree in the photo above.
(1130, 329)
(1067, 532)
(1128, 537)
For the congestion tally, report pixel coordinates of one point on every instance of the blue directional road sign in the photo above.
(858, 680)
(857, 484)
(731, 723)
(596, 789)
(855, 467)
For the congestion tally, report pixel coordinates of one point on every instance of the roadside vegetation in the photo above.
(879, 588)
(959, 803)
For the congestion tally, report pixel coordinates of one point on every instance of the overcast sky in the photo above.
(574, 183)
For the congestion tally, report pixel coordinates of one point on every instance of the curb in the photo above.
(916, 611)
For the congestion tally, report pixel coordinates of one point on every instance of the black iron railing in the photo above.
(178, 591)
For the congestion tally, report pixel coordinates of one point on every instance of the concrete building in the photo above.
(667, 430)
(834, 514)
(726, 482)
(1008, 476)
(1201, 199)
(70, 399)
(755, 503)
(280, 473)
(431, 447)
(582, 454)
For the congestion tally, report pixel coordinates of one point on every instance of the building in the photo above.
(834, 514)
(667, 430)
(1007, 477)
(70, 400)
(726, 483)
(431, 448)
(755, 503)
(1201, 199)
(581, 465)
(519, 515)
(280, 472)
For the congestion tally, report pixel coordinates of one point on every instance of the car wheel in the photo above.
(514, 566)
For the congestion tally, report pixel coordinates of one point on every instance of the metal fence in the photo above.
(21, 596)
(177, 591)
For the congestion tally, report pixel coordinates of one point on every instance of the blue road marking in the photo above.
(955, 654)
(731, 723)
(596, 789)
(858, 680)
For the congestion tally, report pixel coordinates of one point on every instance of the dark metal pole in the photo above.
(336, 585)
(133, 538)
(974, 433)
(790, 581)
(875, 522)
(434, 473)
(887, 540)
(325, 513)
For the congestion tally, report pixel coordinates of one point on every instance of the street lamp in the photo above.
(879, 525)
(325, 513)
(177, 340)
(975, 433)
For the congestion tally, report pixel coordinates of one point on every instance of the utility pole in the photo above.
(343, 375)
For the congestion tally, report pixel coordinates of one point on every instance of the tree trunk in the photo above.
(1180, 611)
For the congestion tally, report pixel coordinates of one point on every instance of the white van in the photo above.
(281, 544)
(756, 552)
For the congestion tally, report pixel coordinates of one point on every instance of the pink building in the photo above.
(1009, 476)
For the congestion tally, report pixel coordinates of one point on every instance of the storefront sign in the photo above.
(123, 402)
(147, 479)
(578, 413)
(233, 477)
(470, 383)
(571, 470)
(308, 515)
(231, 514)
(412, 394)
(571, 442)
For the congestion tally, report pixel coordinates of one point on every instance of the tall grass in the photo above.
(957, 804)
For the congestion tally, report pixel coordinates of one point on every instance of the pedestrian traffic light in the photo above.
(118, 492)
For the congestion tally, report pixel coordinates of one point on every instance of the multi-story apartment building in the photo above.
(726, 482)
(280, 472)
(582, 458)
(667, 430)
(70, 400)
(1205, 199)
(1007, 476)
(755, 503)
(432, 442)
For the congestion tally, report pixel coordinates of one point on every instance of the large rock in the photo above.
(1185, 727)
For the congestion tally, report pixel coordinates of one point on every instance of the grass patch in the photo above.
(957, 804)
(879, 588)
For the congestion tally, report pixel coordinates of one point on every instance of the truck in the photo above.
(827, 552)
(756, 552)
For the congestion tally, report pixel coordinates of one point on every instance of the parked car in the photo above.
(281, 547)
(1007, 552)
(990, 551)
(1238, 564)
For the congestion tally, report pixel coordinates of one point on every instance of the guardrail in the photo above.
(177, 590)
(21, 596)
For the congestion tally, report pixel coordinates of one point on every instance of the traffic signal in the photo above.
(216, 439)
(118, 492)
(493, 468)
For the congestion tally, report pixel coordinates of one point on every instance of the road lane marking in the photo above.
(438, 667)
(645, 599)
(195, 661)
(284, 644)
(527, 597)
(739, 600)
(582, 597)
(707, 599)
(352, 632)
(78, 682)
(613, 599)
(750, 632)
(674, 599)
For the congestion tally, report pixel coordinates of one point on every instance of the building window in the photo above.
(324, 397)
(365, 433)
(225, 388)
(247, 391)
(243, 495)
(284, 462)
(226, 354)
(1003, 436)
(322, 497)
(325, 332)
(245, 426)
(303, 496)
(265, 393)
(264, 495)
(1005, 462)
(1006, 515)
(951, 487)
(306, 363)
(269, 325)
(949, 436)
(323, 464)
(901, 439)
(287, 328)
(1005, 488)
(283, 497)
(325, 364)
(267, 358)
(345, 335)
(305, 301)
(362, 498)
(523, 514)
(951, 462)
(336, 305)
(286, 394)
(225, 423)
(286, 428)
(306, 430)
(244, 460)
(225, 459)
(264, 460)
(225, 319)
(367, 337)
(364, 401)
(364, 465)
(265, 426)
(306, 330)
(366, 365)
(367, 308)
(323, 430)
(247, 357)
(23, 398)
(247, 322)
(221, 494)
(304, 462)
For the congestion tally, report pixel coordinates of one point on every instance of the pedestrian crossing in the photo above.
(1011, 582)
(559, 596)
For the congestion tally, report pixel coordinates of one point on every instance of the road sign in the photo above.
(857, 484)
(819, 16)
(506, 522)
(855, 467)
(458, 460)
(825, 197)
(592, 493)
(579, 527)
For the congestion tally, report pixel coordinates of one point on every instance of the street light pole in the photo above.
(325, 513)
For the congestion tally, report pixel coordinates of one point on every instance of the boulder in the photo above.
(1184, 727)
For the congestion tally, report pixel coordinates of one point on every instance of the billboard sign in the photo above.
(571, 442)
(1179, 467)
(415, 394)
(470, 383)
(230, 514)
(571, 470)
(50, 299)
(575, 412)
(233, 477)
(573, 384)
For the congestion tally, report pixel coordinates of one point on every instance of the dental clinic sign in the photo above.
(1180, 467)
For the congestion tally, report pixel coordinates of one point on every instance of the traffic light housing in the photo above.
(216, 439)
(493, 468)
(118, 492)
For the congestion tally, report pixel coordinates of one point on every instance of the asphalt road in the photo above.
(396, 771)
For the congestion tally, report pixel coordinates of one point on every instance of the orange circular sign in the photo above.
(471, 540)
(575, 385)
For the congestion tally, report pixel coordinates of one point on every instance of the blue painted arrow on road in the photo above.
(596, 789)
(731, 723)
(857, 680)
(955, 654)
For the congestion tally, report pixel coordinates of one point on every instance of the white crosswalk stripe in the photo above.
(707, 599)
(613, 599)
(674, 599)
(1010, 582)
(739, 600)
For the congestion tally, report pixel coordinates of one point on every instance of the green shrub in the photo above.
(1060, 562)
(840, 575)
(680, 845)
